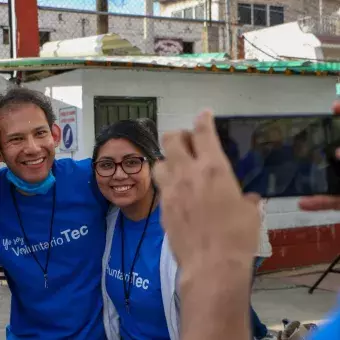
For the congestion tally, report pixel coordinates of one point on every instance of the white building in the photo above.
(241, 16)
(172, 91)
(293, 40)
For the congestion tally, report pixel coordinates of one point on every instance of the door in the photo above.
(108, 110)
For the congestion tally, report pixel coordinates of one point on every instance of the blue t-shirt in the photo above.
(146, 318)
(71, 306)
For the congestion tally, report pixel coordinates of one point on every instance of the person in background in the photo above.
(260, 330)
(303, 161)
(139, 271)
(229, 146)
(250, 169)
(318, 176)
(52, 227)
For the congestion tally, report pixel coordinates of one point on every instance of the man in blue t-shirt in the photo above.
(52, 227)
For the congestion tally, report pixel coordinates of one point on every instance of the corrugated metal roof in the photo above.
(210, 62)
(98, 45)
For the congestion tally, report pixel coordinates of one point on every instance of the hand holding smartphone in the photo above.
(283, 155)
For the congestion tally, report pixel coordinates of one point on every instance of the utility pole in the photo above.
(12, 29)
(228, 24)
(321, 14)
(210, 33)
(210, 11)
(149, 30)
(102, 19)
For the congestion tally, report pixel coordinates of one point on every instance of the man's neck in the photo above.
(23, 192)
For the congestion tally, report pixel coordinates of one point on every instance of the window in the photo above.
(199, 12)
(177, 14)
(109, 110)
(244, 14)
(276, 15)
(188, 47)
(188, 13)
(44, 37)
(5, 36)
(260, 15)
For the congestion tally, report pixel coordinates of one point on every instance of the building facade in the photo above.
(170, 35)
(242, 16)
(174, 97)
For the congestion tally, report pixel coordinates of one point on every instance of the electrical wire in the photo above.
(260, 49)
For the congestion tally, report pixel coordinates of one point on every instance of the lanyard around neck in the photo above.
(127, 282)
(44, 269)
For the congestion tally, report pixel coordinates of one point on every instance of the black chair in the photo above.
(325, 273)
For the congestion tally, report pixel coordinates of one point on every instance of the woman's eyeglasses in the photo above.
(130, 166)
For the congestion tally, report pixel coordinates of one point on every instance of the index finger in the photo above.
(177, 147)
(205, 140)
(318, 203)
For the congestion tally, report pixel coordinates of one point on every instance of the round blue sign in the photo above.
(67, 136)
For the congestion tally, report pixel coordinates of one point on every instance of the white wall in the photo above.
(168, 8)
(283, 40)
(182, 95)
(3, 87)
(65, 90)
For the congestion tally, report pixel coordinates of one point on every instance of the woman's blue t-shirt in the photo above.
(146, 317)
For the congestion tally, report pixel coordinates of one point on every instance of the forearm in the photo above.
(215, 303)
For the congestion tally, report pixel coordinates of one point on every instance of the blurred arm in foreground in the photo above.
(213, 229)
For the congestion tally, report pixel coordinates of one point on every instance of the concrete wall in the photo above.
(3, 87)
(65, 90)
(68, 25)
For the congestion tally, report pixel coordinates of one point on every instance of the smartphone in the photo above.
(283, 155)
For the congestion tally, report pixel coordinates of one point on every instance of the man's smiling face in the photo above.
(27, 143)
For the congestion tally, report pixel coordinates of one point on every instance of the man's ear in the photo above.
(56, 134)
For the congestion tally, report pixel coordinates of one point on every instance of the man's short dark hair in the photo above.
(21, 95)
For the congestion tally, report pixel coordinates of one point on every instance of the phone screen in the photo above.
(283, 156)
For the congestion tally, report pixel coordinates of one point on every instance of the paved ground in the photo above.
(4, 310)
(273, 299)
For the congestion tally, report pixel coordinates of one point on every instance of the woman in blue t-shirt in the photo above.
(139, 271)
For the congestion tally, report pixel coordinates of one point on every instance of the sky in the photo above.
(115, 6)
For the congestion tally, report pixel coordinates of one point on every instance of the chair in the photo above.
(325, 273)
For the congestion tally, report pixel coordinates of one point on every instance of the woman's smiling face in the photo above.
(122, 189)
